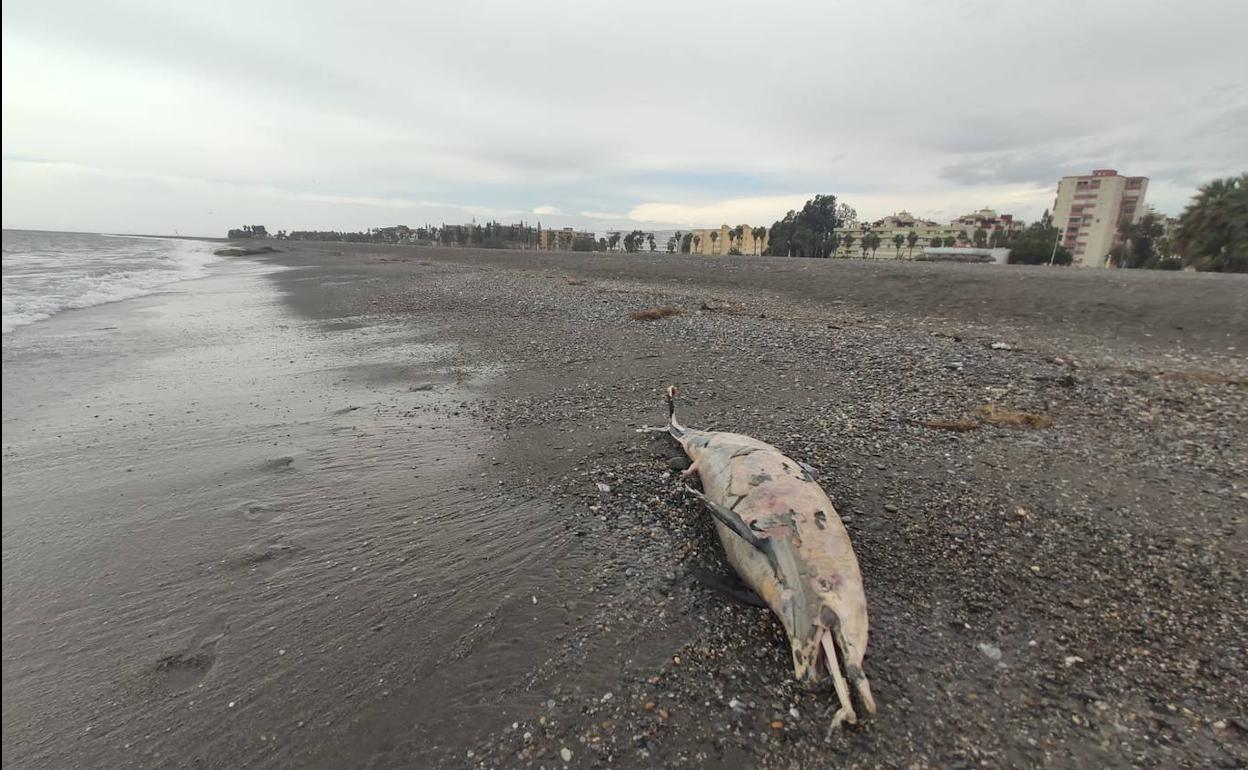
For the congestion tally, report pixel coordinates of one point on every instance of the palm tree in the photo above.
(849, 243)
(759, 234)
(898, 239)
(981, 237)
(679, 236)
(613, 240)
(714, 240)
(1213, 230)
(911, 240)
(650, 240)
(697, 243)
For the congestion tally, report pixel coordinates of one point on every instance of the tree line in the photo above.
(1212, 233)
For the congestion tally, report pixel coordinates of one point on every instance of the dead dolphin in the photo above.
(786, 541)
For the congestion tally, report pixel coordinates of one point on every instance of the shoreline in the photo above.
(411, 553)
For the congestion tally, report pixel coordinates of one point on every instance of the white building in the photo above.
(1089, 209)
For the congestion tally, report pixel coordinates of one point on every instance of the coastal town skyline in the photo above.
(115, 114)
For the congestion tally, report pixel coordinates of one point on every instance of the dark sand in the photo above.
(367, 532)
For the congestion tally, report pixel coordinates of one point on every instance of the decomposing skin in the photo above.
(786, 541)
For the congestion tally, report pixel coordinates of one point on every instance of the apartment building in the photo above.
(929, 232)
(721, 241)
(1089, 208)
(566, 239)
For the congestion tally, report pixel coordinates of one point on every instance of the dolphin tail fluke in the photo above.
(673, 427)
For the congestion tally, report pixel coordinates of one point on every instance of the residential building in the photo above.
(929, 234)
(1169, 225)
(1089, 209)
(989, 221)
(565, 239)
(722, 242)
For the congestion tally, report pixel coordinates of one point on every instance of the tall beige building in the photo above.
(1089, 208)
(723, 242)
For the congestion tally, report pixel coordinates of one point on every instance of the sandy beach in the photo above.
(341, 508)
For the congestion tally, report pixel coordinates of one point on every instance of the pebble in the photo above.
(565, 754)
(990, 651)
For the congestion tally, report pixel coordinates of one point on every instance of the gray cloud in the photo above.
(586, 106)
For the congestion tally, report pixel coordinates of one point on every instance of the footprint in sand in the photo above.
(284, 463)
(183, 670)
(263, 561)
(260, 511)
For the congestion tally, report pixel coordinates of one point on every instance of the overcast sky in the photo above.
(196, 117)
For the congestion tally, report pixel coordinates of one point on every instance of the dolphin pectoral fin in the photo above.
(729, 585)
(730, 519)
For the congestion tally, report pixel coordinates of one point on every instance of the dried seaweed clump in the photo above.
(655, 313)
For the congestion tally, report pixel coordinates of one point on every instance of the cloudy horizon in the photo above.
(144, 117)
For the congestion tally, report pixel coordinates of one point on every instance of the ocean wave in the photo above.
(46, 273)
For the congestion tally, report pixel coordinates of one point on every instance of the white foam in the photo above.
(45, 277)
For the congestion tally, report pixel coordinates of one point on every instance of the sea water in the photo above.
(46, 273)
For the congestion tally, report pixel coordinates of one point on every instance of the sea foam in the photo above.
(46, 273)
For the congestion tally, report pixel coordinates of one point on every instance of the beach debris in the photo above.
(565, 754)
(603, 488)
(989, 651)
(784, 538)
(1001, 346)
(247, 252)
(655, 313)
(957, 426)
(991, 414)
(997, 415)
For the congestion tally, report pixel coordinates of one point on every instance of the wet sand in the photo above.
(346, 513)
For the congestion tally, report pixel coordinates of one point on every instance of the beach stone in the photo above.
(679, 463)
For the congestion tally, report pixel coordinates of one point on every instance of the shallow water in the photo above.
(233, 535)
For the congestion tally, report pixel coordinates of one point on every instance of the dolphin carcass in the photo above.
(786, 541)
